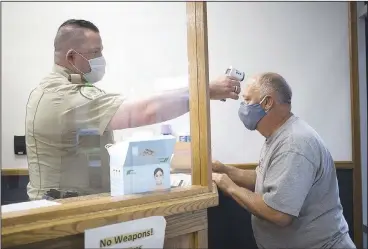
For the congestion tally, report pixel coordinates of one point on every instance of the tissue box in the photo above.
(143, 165)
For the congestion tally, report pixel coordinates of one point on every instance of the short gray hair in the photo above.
(272, 82)
(71, 35)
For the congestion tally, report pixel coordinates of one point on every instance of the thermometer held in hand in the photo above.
(233, 72)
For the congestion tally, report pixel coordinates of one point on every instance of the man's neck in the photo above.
(275, 124)
(63, 66)
(62, 63)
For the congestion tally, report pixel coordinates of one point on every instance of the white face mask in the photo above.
(97, 72)
(98, 66)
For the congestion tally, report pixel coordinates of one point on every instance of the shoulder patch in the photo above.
(91, 92)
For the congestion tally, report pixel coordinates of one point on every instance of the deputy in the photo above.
(69, 120)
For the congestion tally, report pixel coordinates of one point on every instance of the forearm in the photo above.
(255, 204)
(244, 178)
(167, 106)
(152, 110)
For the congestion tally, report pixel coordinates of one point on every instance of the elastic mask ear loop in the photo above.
(81, 55)
(76, 67)
(266, 111)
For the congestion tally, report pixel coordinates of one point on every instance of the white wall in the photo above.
(363, 105)
(143, 42)
(307, 43)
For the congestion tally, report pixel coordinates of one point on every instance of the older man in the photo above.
(69, 120)
(293, 194)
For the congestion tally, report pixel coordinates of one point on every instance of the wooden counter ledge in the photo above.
(78, 214)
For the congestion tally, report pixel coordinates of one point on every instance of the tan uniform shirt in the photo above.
(60, 111)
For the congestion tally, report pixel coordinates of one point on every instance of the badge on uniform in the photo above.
(91, 92)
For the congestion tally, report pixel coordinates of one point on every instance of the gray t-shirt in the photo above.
(296, 175)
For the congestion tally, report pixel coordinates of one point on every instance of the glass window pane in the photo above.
(103, 104)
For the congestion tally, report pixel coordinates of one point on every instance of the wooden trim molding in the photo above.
(14, 172)
(200, 127)
(355, 124)
(96, 203)
(338, 165)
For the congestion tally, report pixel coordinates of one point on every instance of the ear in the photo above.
(268, 103)
(70, 55)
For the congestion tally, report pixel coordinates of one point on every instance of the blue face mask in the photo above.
(251, 114)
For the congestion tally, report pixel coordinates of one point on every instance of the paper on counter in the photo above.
(180, 180)
(27, 205)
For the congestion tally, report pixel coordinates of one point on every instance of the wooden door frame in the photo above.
(200, 107)
(355, 125)
(200, 121)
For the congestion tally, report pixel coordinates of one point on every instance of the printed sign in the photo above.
(143, 233)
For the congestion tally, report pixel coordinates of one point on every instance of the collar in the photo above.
(71, 76)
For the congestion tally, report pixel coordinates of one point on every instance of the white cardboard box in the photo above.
(143, 165)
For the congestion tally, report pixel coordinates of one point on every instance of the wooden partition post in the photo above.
(355, 125)
(200, 127)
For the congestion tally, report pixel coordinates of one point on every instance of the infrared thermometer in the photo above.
(233, 72)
